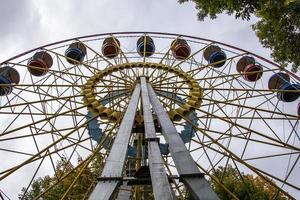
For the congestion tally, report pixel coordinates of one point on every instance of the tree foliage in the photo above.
(244, 186)
(80, 190)
(278, 27)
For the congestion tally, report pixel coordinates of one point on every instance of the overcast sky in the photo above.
(26, 24)
(31, 23)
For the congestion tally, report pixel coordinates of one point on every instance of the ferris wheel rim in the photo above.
(124, 33)
(155, 33)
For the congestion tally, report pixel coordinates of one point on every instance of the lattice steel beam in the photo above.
(160, 183)
(116, 160)
(186, 166)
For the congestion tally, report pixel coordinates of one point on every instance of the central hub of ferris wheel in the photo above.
(103, 105)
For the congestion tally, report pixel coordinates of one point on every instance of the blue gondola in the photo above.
(290, 95)
(149, 48)
(5, 90)
(75, 53)
(214, 54)
(277, 80)
(8, 75)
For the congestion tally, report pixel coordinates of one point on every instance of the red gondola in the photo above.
(111, 47)
(40, 63)
(180, 49)
(251, 71)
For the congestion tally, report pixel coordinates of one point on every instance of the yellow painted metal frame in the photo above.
(94, 105)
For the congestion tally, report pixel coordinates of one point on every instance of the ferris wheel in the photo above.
(162, 111)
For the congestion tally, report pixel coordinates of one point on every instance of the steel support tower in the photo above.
(112, 175)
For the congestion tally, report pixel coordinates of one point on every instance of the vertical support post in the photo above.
(124, 192)
(144, 52)
(116, 159)
(189, 173)
(160, 183)
(138, 162)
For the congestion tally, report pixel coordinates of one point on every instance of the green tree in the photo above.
(244, 186)
(278, 27)
(81, 189)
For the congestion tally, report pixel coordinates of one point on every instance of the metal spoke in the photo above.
(213, 115)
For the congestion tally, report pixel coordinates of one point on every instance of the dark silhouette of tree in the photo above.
(277, 29)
